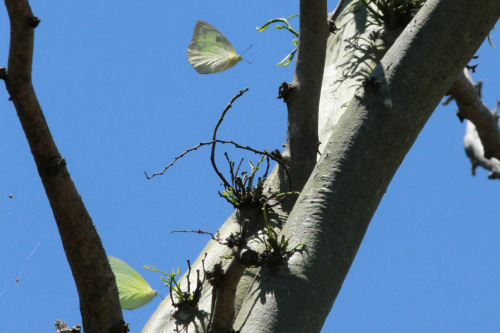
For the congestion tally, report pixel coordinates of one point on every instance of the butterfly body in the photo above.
(210, 51)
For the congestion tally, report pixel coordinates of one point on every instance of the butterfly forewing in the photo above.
(205, 32)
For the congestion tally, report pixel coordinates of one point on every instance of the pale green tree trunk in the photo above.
(365, 132)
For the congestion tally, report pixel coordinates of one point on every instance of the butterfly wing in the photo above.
(210, 51)
(133, 289)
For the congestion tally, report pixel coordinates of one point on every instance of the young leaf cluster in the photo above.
(188, 302)
(394, 13)
(172, 283)
(242, 193)
(277, 251)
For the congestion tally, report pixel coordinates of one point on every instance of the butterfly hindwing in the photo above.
(133, 289)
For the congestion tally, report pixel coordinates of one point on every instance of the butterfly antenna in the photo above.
(248, 48)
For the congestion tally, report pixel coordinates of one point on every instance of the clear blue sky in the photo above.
(121, 98)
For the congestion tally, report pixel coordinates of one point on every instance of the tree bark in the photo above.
(303, 94)
(99, 303)
(355, 29)
(482, 135)
(362, 155)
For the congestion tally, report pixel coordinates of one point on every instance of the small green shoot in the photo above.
(286, 25)
(279, 246)
(242, 192)
(277, 251)
(172, 283)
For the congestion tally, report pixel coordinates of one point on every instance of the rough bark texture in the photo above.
(362, 155)
(94, 279)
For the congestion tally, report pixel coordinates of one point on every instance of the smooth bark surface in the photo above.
(303, 97)
(359, 161)
(363, 147)
(353, 52)
(342, 58)
(482, 135)
(305, 118)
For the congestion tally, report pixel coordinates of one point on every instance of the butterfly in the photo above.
(133, 289)
(210, 51)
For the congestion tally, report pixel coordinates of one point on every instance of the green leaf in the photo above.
(489, 41)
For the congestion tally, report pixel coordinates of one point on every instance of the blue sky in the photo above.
(121, 98)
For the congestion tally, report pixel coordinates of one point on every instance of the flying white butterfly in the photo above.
(133, 289)
(210, 51)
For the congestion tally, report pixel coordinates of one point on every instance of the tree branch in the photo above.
(212, 158)
(99, 303)
(223, 313)
(303, 94)
(482, 138)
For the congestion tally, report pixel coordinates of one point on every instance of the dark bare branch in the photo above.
(212, 155)
(99, 303)
(274, 155)
(196, 232)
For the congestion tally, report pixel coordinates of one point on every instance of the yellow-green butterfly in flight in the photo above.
(210, 51)
(133, 289)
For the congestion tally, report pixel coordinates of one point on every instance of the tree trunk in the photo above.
(362, 148)
(363, 153)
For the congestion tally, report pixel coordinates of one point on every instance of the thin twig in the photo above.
(267, 168)
(189, 273)
(233, 176)
(171, 297)
(337, 11)
(214, 141)
(203, 266)
(239, 165)
(201, 144)
(212, 155)
(196, 232)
